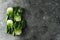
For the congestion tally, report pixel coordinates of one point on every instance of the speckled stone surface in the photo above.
(42, 17)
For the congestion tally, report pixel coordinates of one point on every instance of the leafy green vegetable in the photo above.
(15, 22)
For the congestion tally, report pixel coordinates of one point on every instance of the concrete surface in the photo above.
(42, 16)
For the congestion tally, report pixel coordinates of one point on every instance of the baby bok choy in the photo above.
(15, 22)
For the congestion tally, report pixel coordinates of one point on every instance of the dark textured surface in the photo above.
(42, 16)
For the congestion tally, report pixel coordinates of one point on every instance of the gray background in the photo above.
(42, 17)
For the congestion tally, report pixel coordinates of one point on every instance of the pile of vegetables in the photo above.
(15, 22)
